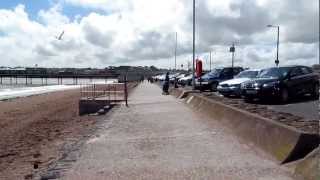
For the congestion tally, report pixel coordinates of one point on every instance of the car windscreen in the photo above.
(247, 74)
(274, 72)
(213, 73)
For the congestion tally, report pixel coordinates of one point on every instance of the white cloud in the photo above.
(53, 16)
(141, 32)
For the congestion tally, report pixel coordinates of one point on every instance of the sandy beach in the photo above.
(33, 130)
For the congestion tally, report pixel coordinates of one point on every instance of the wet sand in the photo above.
(35, 128)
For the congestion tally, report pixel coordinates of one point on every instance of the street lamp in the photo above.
(210, 62)
(193, 44)
(278, 28)
(232, 50)
(175, 52)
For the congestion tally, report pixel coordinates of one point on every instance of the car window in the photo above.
(274, 72)
(306, 70)
(236, 71)
(247, 74)
(296, 72)
(227, 72)
(213, 73)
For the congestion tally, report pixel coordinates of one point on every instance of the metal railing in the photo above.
(114, 92)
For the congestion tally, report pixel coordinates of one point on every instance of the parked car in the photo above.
(211, 80)
(185, 81)
(161, 77)
(232, 87)
(182, 76)
(282, 83)
(172, 77)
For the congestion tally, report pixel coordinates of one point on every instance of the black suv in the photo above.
(211, 80)
(282, 83)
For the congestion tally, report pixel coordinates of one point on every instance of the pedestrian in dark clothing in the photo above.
(165, 87)
(141, 78)
(175, 82)
(150, 79)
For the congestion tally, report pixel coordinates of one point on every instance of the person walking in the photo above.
(165, 88)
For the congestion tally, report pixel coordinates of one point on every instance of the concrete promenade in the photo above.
(159, 137)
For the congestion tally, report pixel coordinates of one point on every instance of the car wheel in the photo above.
(315, 92)
(284, 96)
(214, 86)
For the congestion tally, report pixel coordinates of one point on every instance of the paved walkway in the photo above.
(158, 137)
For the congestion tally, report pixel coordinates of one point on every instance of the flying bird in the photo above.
(60, 36)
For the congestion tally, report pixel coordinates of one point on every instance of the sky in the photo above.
(101, 33)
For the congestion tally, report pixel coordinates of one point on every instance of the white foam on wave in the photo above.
(15, 92)
(11, 93)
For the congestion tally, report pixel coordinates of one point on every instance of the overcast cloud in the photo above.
(142, 32)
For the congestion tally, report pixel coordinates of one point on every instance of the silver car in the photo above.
(232, 87)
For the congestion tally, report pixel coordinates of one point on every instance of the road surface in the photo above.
(308, 109)
(159, 137)
(303, 107)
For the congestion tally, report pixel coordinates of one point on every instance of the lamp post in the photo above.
(210, 62)
(193, 44)
(232, 50)
(278, 28)
(175, 53)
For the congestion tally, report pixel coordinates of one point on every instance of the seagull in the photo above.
(60, 36)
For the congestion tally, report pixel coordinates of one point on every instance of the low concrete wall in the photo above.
(91, 106)
(176, 92)
(285, 143)
(309, 167)
(181, 93)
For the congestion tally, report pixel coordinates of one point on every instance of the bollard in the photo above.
(126, 90)
(94, 91)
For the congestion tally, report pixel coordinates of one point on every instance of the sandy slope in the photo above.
(33, 129)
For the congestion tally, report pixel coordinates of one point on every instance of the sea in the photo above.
(14, 88)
